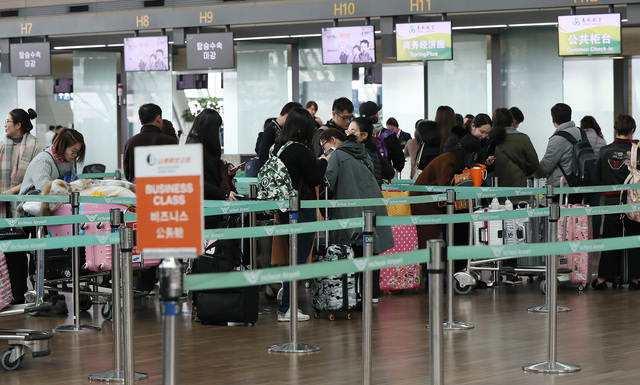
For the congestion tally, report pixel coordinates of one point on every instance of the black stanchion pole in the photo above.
(170, 292)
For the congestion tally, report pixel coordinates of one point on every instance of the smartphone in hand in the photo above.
(329, 151)
(236, 168)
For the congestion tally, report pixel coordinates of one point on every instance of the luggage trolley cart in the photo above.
(20, 339)
(500, 232)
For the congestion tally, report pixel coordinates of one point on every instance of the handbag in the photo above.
(463, 179)
(633, 196)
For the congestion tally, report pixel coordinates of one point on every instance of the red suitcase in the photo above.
(401, 277)
(576, 229)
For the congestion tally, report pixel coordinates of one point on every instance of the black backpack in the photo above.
(584, 161)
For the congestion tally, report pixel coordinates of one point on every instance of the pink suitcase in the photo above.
(401, 277)
(576, 229)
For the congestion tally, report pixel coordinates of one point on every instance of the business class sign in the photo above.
(589, 35)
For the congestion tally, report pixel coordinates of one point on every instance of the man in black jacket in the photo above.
(150, 134)
(612, 169)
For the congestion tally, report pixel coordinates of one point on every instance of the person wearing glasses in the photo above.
(362, 129)
(341, 116)
(16, 152)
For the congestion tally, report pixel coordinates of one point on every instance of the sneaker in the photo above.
(59, 308)
(634, 286)
(374, 300)
(513, 279)
(286, 317)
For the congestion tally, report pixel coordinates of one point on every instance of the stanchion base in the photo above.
(455, 326)
(289, 347)
(545, 309)
(115, 376)
(549, 367)
(76, 328)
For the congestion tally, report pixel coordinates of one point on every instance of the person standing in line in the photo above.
(307, 172)
(388, 145)
(312, 107)
(341, 116)
(150, 134)
(272, 131)
(403, 137)
(597, 141)
(518, 116)
(16, 152)
(612, 169)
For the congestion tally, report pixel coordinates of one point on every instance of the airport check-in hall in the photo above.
(88, 69)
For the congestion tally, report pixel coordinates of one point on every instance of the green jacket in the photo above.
(515, 160)
(350, 176)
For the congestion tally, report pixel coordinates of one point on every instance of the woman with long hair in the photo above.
(306, 173)
(440, 172)
(594, 133)
(217, 173)
(446, 119)
(16, 152)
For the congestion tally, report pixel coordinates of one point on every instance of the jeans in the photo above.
(305, 243)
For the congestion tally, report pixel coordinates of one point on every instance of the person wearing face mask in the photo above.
(16, 152)
(362, 129)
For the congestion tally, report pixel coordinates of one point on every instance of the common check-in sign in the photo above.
(169, 198)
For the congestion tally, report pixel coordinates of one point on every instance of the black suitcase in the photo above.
(221, 306)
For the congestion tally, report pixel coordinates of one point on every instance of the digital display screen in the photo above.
(210, 51)
(30, 59)
(348, 45)
(424, 41)
(589, 35)
(146, 54)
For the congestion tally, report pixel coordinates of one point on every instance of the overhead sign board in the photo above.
(31, 59)
(210, 51)
(424, 41)
(169, 199)
(589, 35)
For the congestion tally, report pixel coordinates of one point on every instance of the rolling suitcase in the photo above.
(221, 306)
(405, 238)
(334, 293)
(571, 229)
(6, 296)
(489, 232)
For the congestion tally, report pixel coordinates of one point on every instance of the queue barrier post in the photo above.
(253, 221)
(551, 366)
(116, 374)
(367, 300)
(118, 175)
(550, 236)
(170, 292)
(436, 275)
(451, 324)
(293, 346)
(76, 327)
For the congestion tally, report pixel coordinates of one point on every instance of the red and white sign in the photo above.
(169, 198)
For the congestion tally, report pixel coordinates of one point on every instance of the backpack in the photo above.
(274, 180)
(382, 147)
(633, 196)
(584, 161)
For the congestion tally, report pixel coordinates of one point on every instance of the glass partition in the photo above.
(262, 89)
(462, 82)
(532, 79)
(588, 90)
(95, 106)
